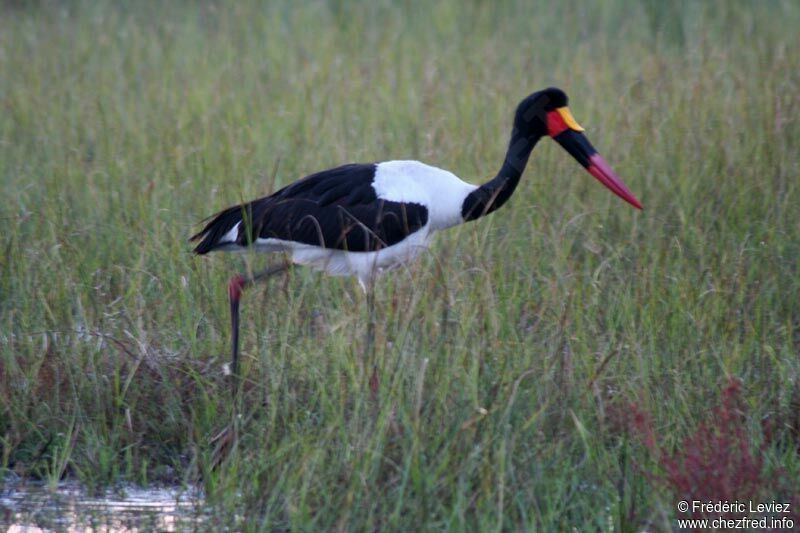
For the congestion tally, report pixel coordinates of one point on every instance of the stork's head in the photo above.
(545, 112)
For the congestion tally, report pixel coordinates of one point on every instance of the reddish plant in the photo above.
(714, 463)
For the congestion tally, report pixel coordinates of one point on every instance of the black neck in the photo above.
(496, 192)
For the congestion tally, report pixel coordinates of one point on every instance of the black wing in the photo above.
(335, 208)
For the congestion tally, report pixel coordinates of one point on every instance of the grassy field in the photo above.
(554, 365)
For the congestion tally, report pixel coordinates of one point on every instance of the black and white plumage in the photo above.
(359, 219)
(356, 219)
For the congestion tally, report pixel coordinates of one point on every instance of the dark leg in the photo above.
(236, 286)
(371, 359)
(226, 439)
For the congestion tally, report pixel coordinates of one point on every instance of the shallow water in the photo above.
(31, 507)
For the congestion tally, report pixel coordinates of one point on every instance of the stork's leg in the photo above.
(236, 286)
(374, 380)
(226, 439)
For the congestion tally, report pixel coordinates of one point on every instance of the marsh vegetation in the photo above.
(511, 351)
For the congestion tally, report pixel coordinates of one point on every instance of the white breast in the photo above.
(364, 265)
(442, 192)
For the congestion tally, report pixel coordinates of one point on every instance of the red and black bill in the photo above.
(563, 128)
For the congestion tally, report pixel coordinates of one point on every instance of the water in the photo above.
(32, 507)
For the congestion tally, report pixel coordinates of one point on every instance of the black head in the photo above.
(546, 112)
(530, 118)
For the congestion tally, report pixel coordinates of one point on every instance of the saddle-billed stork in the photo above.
(360, 219)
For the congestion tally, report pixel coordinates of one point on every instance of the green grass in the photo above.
(503, 350)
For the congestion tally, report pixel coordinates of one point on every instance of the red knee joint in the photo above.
(235, 287)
